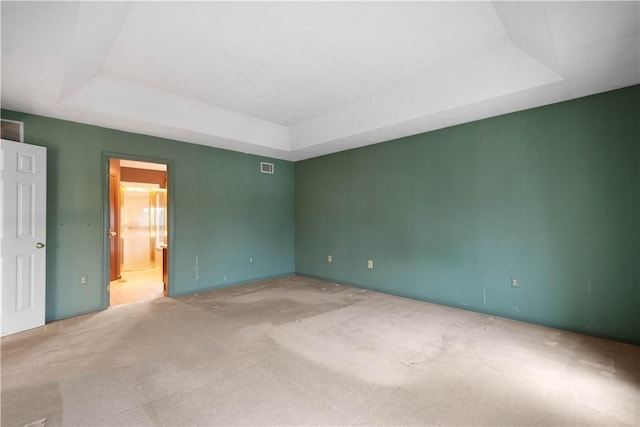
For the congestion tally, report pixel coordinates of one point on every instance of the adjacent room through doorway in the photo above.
(138, 231)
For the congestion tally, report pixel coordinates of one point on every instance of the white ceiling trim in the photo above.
(503, 71)
(96, 27)
(117, 97)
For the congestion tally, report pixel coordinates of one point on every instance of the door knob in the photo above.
(39, 245)
(112, 233)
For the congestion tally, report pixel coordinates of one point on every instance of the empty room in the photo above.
(320, 213)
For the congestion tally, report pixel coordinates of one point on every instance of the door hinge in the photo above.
(109, 287)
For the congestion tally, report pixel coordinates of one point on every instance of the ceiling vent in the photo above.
(266, 167)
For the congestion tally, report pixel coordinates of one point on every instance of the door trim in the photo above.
(104, 172)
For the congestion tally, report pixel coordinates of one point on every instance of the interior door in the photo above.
(23, 187)
(114, 226)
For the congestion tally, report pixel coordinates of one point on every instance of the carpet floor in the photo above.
(299, 351)
(135, 286)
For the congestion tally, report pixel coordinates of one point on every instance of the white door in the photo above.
(23, 192)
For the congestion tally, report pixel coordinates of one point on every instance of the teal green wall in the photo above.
(550, 196)
(225, 211)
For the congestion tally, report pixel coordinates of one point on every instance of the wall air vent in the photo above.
(266, 167)
(12, 130)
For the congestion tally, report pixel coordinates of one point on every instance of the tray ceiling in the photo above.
(295, 80)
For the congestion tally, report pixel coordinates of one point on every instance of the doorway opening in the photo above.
(138, 231)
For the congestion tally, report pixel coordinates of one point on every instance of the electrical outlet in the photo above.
(514, 282)
(251, 259)
(370, 263)
(329, 258)
(83, 280)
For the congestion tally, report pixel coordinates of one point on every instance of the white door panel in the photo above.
(23, 173)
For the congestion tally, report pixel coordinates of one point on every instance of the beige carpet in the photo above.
(297, 351)
(135, 286)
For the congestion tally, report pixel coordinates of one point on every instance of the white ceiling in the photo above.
(142, 165)
(294, 80)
